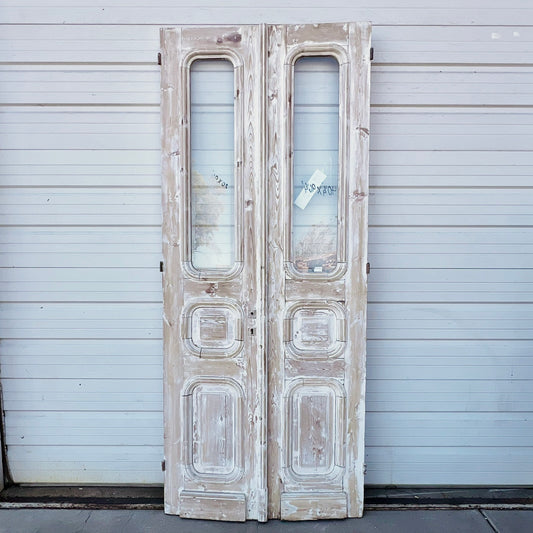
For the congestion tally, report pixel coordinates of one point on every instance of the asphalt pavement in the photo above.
(155, 521)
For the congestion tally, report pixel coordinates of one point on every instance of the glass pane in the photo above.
(315, 164)
(212, 164)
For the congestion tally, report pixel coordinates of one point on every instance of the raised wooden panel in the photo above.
(213, 417)
(315, 330)
(314, 431)
(214, 328)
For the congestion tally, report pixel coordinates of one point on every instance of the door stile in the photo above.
(358, 161)
(215, 390)
(171, 249)
(276, 154)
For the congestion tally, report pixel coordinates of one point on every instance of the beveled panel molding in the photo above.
(213, 328)
(213, 419)
(315, 330)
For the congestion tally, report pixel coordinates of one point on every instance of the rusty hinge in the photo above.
(161, 268)
(159, 58)
(368, 268)
(163, 465)
(371, 54)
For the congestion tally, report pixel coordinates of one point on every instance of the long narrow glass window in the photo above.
(212, 188)
(315, 164)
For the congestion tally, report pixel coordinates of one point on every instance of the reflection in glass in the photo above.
(315, 164)
(212, 191)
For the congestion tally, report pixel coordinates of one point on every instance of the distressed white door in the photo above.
(318, 89)
(213, 240)
(251, 114)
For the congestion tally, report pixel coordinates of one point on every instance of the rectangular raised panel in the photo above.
(214, 327)
(213, 505)
(312, 434)
(314, 431)
(212, 160)
(214, 431)
(313, 505)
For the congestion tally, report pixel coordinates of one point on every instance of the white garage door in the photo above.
(451, 243)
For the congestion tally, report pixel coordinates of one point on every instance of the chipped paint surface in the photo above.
(217, 412)
(316, 386)
(213, 343)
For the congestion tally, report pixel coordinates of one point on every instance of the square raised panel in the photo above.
(315, 330)
(213, 329)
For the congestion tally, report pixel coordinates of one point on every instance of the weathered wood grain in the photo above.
(218, 506)
(303, 506)
(303, 378)
(213, 337)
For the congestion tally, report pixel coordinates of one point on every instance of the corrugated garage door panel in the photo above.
(449, 351)
(50, 43)
(167, 12)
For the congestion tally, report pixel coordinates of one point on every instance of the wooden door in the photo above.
(309, 158)
(213, 246)
(318, 120)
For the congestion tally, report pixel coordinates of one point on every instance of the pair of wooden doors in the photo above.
(265, 191)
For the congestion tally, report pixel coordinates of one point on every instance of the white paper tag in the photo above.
(310, 189)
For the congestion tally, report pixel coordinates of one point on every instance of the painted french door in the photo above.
(265, 191)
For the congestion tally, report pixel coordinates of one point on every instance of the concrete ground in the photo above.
(148, 521)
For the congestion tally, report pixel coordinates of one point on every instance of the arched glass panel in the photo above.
(315, 164)
(212, 179)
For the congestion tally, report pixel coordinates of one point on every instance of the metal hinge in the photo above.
(368, 268)
(159, 58)
(160, 266)
(163, 465)
(371, 54)
(364, 469)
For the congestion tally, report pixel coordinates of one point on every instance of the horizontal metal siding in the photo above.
(450, 293)
(169, 12)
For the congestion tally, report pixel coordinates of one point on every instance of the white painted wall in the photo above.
(450, 379)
